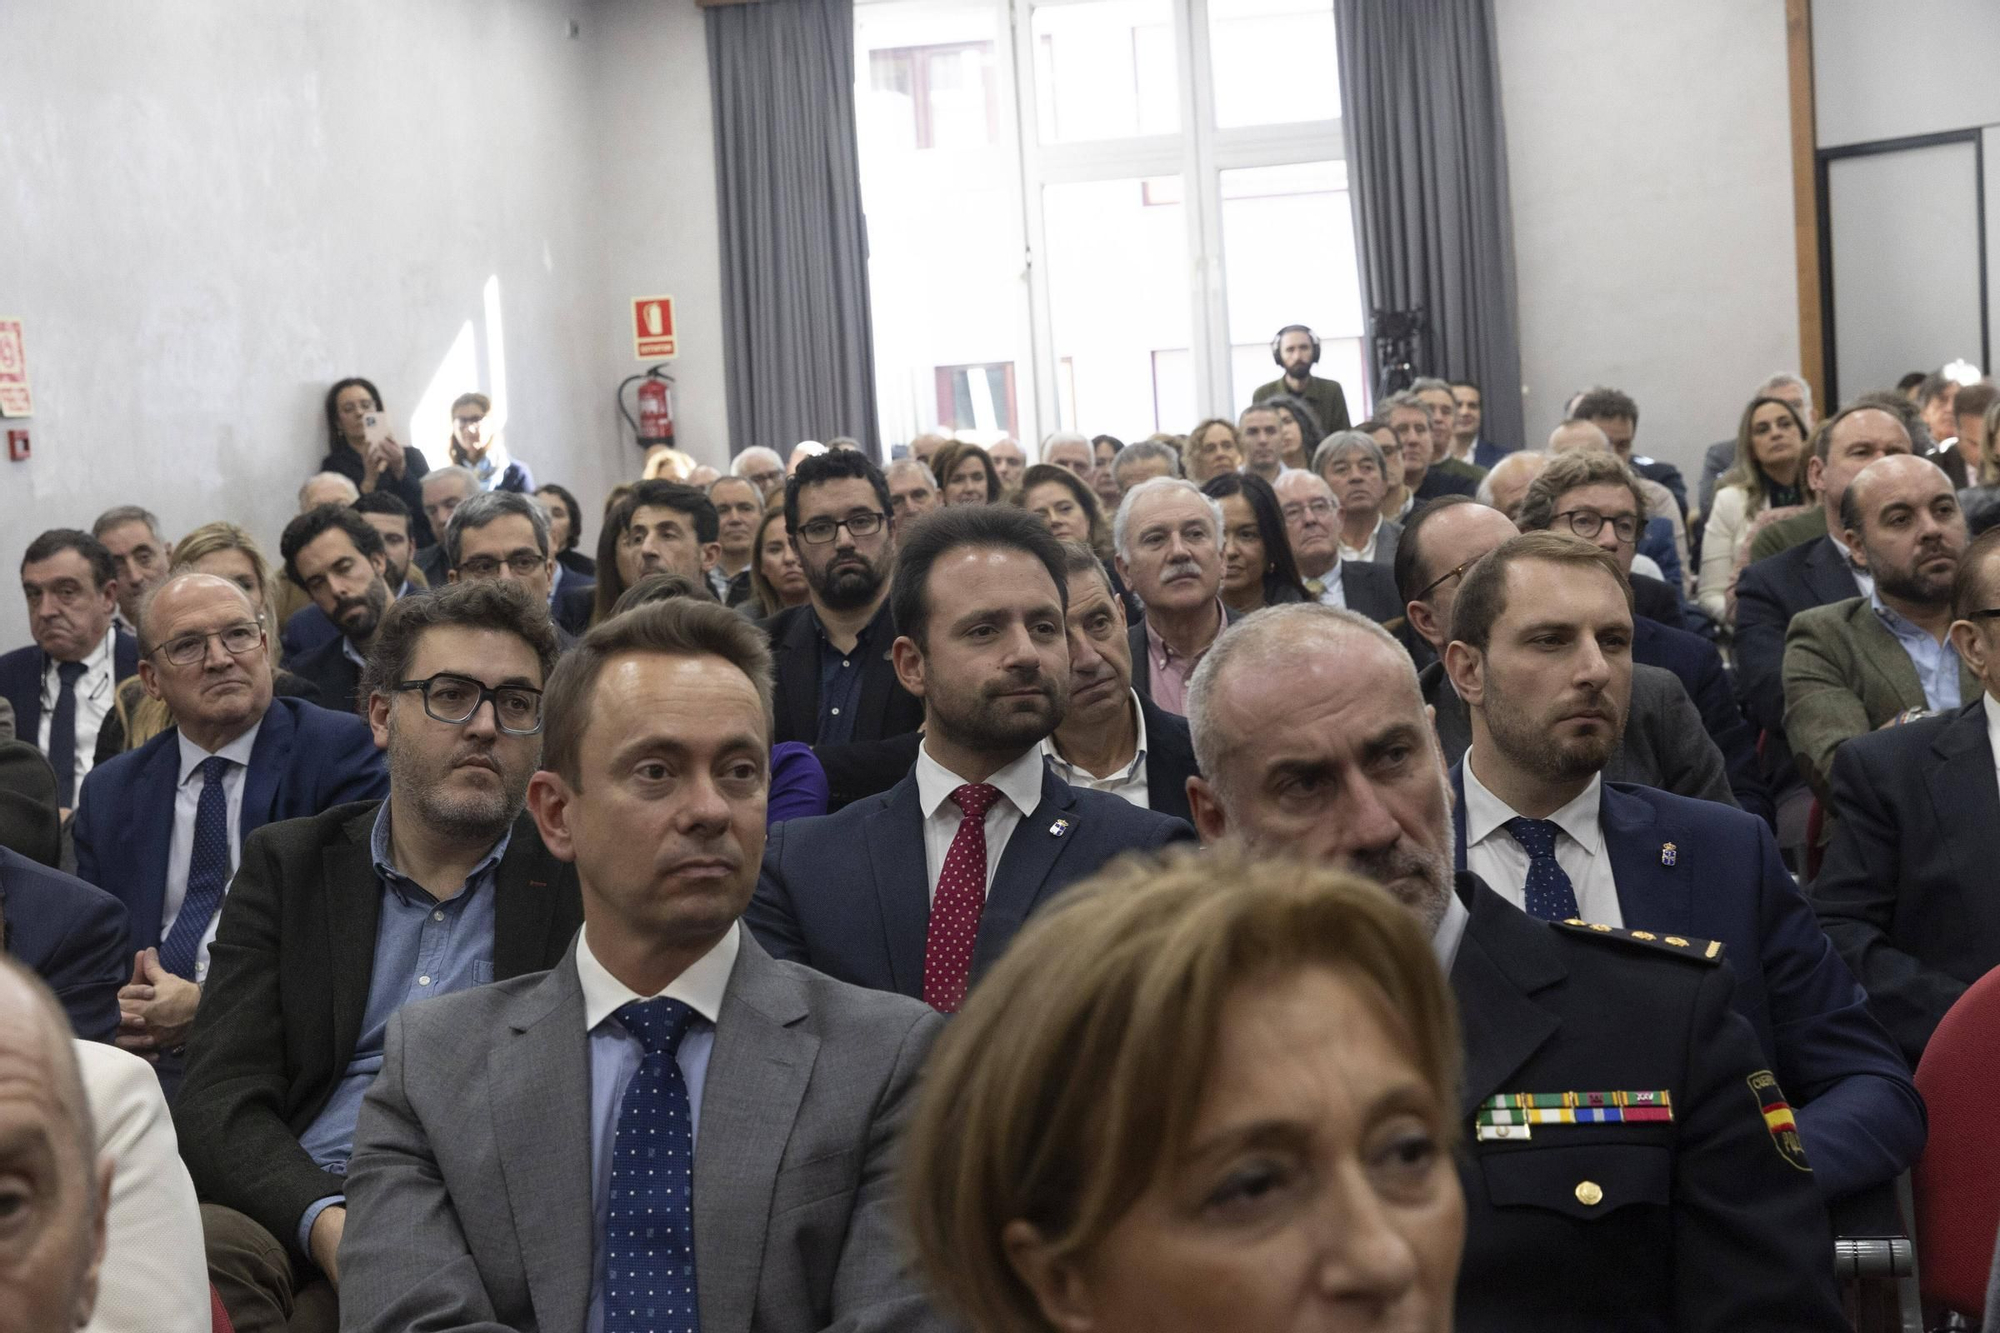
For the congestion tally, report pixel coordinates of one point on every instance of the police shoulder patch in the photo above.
(1778, 1118)
(1681, 946)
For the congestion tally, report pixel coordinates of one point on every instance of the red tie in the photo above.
(960, 897)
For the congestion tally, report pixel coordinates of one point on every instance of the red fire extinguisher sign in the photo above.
(653, 328)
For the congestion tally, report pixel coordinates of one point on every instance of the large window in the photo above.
(1094, 214)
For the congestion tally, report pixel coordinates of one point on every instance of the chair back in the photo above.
(1958, 1177)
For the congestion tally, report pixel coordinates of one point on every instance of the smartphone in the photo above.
(374, 427)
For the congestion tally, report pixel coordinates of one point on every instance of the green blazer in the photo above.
(1782, 536)
(1845, 674)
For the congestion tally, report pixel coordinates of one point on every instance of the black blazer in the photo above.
(21, 681)
(335, 678)
(849, 894)
(575, 601)
(1906, 890)
(344, 460)
(71, 935)
(1370, 590)
(287, 990)
(1768, 594)
(1700, 1223)
(1656, 601)
(885, 709)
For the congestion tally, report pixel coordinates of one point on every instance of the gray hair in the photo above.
(1426, 383)
(910, 464)
(1784, 379)
(1344, 442)
(1269, 637)
(120, 515)
(464, 474)
(750, 457)
(318, 479)
(1403, 398)
(1055, 438)
(179, 576)
(1517, 461)
(487, 507)
(1121, 525)
(1142, 451)
(1265, 406)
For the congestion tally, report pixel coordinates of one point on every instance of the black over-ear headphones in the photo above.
(1293, 328)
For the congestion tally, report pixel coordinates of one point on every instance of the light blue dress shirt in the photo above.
(1936, 663)
(614, 1058)
(423, 947)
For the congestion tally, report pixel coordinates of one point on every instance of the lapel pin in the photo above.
(1060, 827)
(1667, 853)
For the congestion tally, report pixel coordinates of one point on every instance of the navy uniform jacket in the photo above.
(21, 681)
(1703, 1224)
(1699, 666)
(849, 894)
(1858, 1111)
(1906, 892)
(71, 935)
(306, 759)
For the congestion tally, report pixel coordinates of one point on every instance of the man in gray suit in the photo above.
(669, 1110)
(1664, 744)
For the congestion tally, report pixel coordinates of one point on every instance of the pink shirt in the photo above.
(1170, 670)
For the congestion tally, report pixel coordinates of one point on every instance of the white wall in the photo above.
(1888, 71)
(1648, 146)
(209, 211)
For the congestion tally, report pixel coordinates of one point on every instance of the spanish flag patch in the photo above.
(1778, 1118)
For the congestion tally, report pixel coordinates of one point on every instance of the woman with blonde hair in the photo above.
(226, 551)
(471, 447)
(1768, 475)
(1195, 1094)
(1212, 449)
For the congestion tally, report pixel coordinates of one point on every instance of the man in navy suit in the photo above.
(337, 558)
(384, 511)
(893, 892)
(162, 827)
(1541, 652)
(1590, 494)
(64, 687)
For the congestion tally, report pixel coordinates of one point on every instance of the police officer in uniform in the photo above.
(1631, 1162)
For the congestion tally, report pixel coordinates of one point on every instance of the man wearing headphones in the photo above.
(1296, 349)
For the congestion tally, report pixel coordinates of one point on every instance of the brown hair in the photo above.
(1968, 588)
(1746, 473)
(1482, 595)
(950, 455)
(1573, 471)
(760, 587)
(680, 627)
(496, 604)
(1042, 474)
(1126, 978)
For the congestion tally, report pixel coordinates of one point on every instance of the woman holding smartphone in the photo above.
(368, 455)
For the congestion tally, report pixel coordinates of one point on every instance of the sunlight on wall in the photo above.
(458, 373)
(496, 360)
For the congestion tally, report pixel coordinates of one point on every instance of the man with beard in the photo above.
(836, 684)
(338, 921)
(892, 892)
(161, 827)
(1869, 662)
(1541, 652)
(336, 557)
(1313, 741)
(1296, 350)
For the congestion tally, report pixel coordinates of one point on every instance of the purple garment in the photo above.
(798, 783)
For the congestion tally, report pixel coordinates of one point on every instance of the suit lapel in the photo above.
(878, 675)
(1651, 894)
(352, 900)
(269, 757)
(1504, 958)
(1964, 777)
(895, 840)
(1142, 664)
(1022, 876)
(540, 1105)
(1828, 575)
(153, 836)
(757, 1077)
(800, 651)
(524, 897)
(1881, 654)
(1457, 814)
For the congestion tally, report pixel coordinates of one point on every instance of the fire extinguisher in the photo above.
(654, 423)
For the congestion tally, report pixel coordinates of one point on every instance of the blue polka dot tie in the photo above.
(1550, 895)
(649, 1282)
(208, 872)
(960, 898)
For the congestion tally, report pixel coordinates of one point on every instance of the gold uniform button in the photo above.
(1588, 1193)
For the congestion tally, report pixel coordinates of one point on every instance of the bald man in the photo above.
(50, 1258)
(1671, 557)
(1507, 483)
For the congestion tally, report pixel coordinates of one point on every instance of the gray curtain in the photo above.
(1427, 167)
(795, 326)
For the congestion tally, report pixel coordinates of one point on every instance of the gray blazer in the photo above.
(1664, 746)
(469, 1193)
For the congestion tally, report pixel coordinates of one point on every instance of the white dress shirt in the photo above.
(1492, 854)
(1863, 580)
(1128, 783)
(187, 800)
(1445, 940)
(1365, 553)
(1992, 707)
(1020, 785)
(96, 692)
(154, 1278)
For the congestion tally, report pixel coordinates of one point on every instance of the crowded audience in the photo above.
(1514, 794)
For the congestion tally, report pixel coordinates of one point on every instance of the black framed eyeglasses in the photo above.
(517, 709)
(1452, 573)
(823, 530)
(1588, 523)
(239, 640)
(1991, 613)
